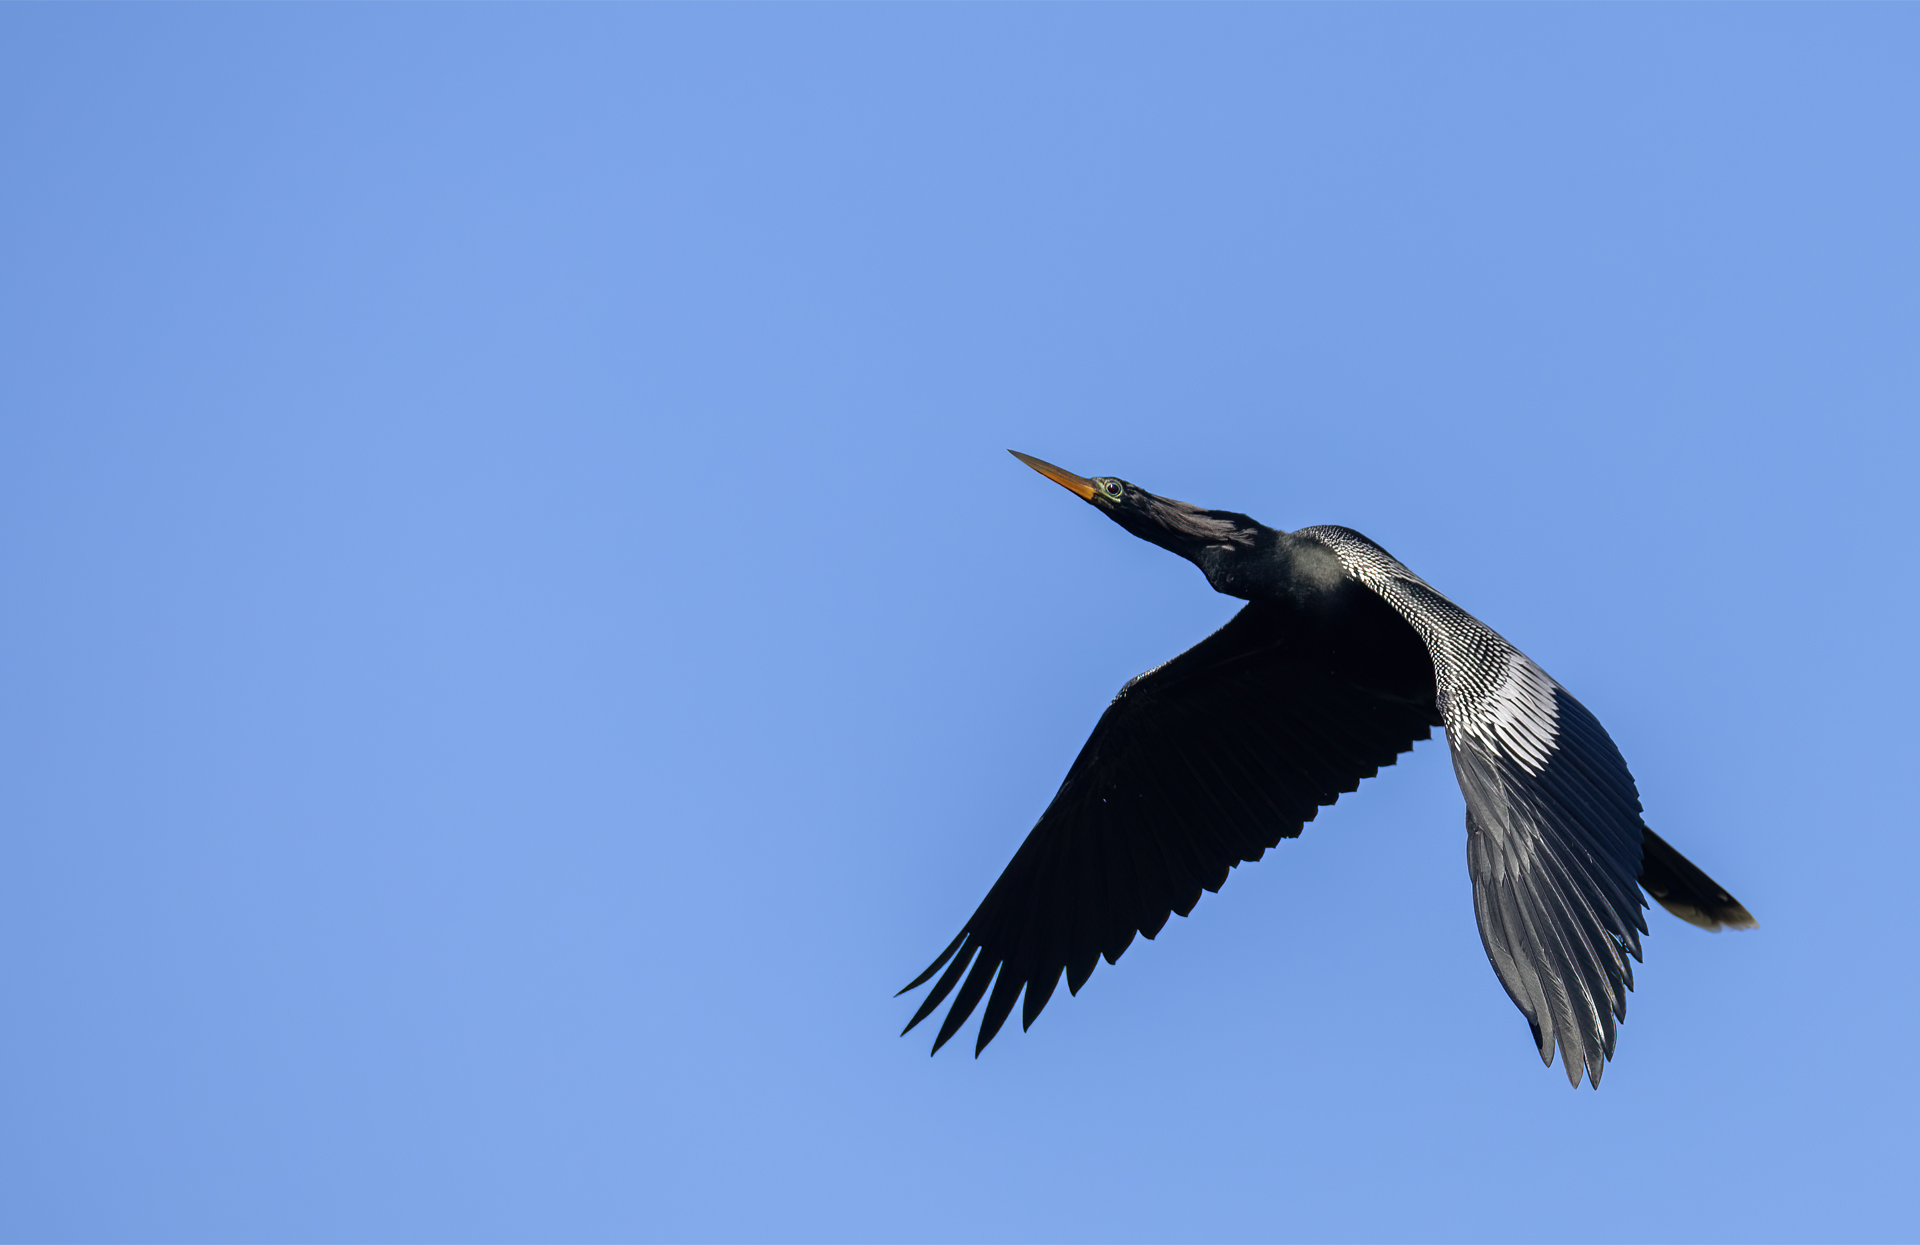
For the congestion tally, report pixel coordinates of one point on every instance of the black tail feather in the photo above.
(1679, 886)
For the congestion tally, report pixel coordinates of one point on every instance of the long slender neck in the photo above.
(1239, 555)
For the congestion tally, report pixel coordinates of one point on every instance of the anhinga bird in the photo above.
(1341, 660)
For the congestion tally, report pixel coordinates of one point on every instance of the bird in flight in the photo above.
(1340, 661)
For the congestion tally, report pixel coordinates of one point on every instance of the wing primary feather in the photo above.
(1006, 989)
(935, 966)
(1566, 991)
(1236, 787)
(1216, 848)
(1183, 870)
(1294, 787)
(1134, 882)
(1162, 872)
(965, 1001)
(1615, 897)
(942, 988)
(1578, 935)
(1039, 990)
(1095, 900)
(1024, 938)
(1496, 907)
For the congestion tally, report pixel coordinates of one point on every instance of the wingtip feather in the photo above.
(934, 967)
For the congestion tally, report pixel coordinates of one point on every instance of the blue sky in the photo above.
(522, 631)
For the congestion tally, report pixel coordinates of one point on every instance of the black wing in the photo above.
(1197, 765)
(1555, 843)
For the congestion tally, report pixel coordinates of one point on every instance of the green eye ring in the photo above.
(1111, 488)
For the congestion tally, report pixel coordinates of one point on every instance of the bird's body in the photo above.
(1341, 660)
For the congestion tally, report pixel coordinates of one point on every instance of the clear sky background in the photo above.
(521, 631)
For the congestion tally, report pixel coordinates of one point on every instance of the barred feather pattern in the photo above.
(1554, 829)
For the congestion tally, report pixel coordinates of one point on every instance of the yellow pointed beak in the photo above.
(1081, 488)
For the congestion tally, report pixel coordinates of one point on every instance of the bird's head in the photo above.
(1217, 541)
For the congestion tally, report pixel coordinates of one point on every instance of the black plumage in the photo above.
(1341, 660)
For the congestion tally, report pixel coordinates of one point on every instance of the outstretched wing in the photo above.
(1555, 842)
(1197, 765)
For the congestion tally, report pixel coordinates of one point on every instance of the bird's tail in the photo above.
(1682, 889)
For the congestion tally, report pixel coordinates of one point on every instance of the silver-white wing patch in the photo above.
(1554, 835)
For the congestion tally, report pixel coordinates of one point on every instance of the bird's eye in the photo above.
(1111, 488)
